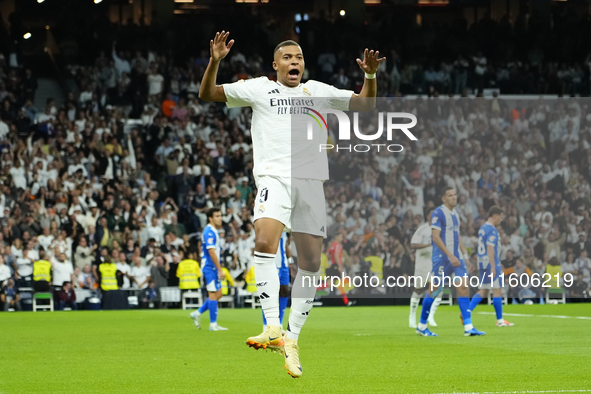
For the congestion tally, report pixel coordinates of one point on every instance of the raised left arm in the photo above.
(366, 99)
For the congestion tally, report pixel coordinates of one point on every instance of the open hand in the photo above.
(370, 62)
(218, 48)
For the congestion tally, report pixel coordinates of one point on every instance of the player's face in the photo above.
(216, 219)
(450, 198)
(499, 218)
(289, 64)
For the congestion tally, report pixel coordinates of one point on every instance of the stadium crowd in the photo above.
(126, 168)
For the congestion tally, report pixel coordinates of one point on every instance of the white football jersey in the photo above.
(273, 108)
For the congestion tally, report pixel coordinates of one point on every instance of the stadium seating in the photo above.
(189, 297)
(505, 298)
(446, 297)
(555, 295)
(38, 306)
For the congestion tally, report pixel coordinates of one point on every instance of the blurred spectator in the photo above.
(85, 279)
(123, 272)
(10, 296)
(4, 271)
(159, 272)
(62, 271)
(150, 297)
(67, 297)
(580, 288)
(140, 274)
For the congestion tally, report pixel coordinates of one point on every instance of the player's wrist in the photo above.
(370, 75)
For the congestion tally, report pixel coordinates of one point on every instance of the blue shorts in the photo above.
(212, 280)
(484, 274)
(284, 279)
(442, 266)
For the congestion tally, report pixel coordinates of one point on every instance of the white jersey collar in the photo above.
(288, 87)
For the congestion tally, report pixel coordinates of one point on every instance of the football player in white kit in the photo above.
(421, 242)
(284, 201)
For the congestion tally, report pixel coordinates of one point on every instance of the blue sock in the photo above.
(498, 304)
(464, 303)
(205, 306)
(436, 292)
(264, 318)
(475, 301)
(282, 306)
(213, 311)
(427, 302)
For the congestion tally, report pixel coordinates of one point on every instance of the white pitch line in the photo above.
(531, 315)
(521, 392)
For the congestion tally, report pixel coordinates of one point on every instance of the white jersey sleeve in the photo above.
(417, 237)
(341, 97)
(243, 93)
(422, 236)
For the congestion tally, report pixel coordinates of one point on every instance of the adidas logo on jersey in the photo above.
(274, 91)
(263, 296)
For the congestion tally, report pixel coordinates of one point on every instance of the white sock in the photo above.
(265, 274)
(415, 300)
(500, 320)
(422, 326)
(468, 327)
(302, 296)
(435, 305)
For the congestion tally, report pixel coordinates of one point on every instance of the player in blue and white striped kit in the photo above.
(212, 270)
(489, 264)
(282, 262)
(449, 256)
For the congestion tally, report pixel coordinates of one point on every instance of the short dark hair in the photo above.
(494, 210)
(66, 283)
(211, 211)
(444, 190)
(286, 43)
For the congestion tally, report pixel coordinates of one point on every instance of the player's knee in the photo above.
(265, 245)
(309, 262)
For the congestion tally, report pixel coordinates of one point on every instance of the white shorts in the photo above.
(297, 203)
(422, 270)
(496, 284)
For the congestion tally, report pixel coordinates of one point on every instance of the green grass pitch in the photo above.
(343, 350)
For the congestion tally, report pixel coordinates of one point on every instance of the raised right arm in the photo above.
(209, 91)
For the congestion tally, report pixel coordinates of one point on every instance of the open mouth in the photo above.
(294, 74)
